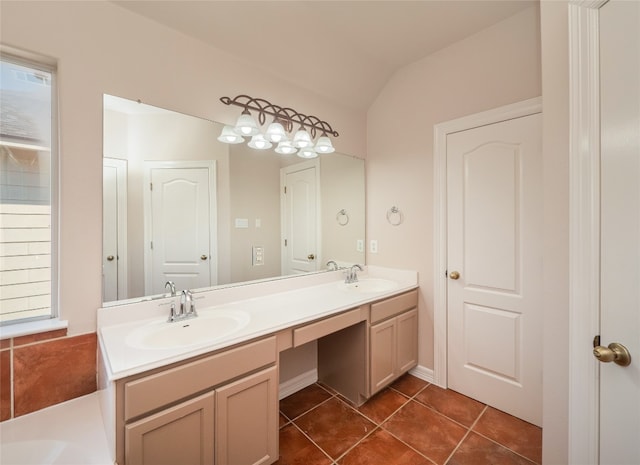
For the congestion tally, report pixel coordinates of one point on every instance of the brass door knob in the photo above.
(454, 275)
(311, 257)
(110, 258)
(203, 257)
(616, 353)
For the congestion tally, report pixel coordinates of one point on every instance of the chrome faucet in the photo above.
(351, 275)
(187, 305)
(172, 292)
(332, 265)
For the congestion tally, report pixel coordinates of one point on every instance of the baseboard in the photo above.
(299, 382)
(424, 373)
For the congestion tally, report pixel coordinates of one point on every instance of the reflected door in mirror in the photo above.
(114, 229)
(300, 218)
(178, 218)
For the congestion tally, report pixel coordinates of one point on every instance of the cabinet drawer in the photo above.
(329, 325)
(393, 306)
(151, 392)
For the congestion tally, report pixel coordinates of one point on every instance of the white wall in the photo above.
(342, 186)
(102, 48)
(255, 194)
(495, 67)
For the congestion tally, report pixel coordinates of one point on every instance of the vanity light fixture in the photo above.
(230, 136)
(278, 132)
(259, 142)
(275, 133)
(285, 148)
(246, 125)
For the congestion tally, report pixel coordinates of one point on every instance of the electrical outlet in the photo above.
(360, 245)
(373, 246)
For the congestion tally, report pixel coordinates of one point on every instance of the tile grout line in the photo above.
(313, 442)
(466, 434)
(505, 447)
(309, 410)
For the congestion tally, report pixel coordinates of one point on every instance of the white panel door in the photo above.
(494, 244)
(300, 218)
(180, 228)
(620, 229)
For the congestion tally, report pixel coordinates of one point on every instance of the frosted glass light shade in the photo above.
(307, 152)
(259, 142)
(229, 136)
(285, 148)
(246, 125)
(324, 145)
(275, 133)
(302, 139)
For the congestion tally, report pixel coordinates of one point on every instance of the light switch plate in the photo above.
(360, 245)
(257, 253)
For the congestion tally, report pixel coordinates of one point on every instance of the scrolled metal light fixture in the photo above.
(278, 131)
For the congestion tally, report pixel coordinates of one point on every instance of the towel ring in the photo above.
(395, 216)
(342, 217)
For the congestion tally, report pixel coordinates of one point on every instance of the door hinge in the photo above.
(285, 189)
(151, 245)
(150, 186)
(285, 242)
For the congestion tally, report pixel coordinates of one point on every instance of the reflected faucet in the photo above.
(187, 305)
(351, 275)
(171, 286)
(332, 265)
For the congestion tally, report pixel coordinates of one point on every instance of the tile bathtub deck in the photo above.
(410, 423)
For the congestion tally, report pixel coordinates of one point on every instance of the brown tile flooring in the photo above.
(410, 423)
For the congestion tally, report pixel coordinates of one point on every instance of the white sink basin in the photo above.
(207, 327)
(369, 285)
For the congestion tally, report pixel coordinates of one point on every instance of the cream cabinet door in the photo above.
(247, 420)
(383, 354)
(407, 344)
(182, 434)
(394, 349)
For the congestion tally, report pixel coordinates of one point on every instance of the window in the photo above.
(27, 191)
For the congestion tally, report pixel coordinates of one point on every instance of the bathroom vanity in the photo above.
(216, 401)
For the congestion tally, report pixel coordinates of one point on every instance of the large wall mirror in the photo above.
(180, 206)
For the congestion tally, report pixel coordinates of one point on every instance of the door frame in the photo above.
(315, 163)
(213, 216)
(441, 131)
(584, 229)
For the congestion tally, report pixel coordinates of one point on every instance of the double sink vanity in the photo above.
(205, 389)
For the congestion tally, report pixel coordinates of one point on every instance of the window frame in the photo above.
(48, 65)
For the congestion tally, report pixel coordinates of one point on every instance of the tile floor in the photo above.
(410, 423)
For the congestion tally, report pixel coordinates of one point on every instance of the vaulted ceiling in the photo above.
(343, 50)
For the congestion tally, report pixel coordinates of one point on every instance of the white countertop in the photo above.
(70, 433)
(268, 313)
